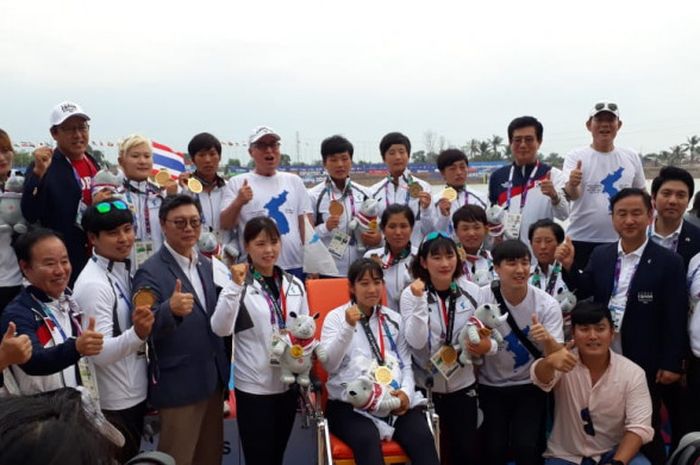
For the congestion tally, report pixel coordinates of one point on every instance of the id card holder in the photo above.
(617, 311)
(144, 250)
(274, 347)
(444, 362)
(339, 244)
(512, 229)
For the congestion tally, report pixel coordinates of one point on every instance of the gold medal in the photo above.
(461, 252)
(372, 225)
(162, 177)
(144, 296)
(414, 189)
(448, 354)
(335, 208)
(296, 351)
(194, 185)
(449, 193)
(383, 375)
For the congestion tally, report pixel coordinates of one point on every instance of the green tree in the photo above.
(496, 142)
(691, 146)
(419, 156)
(285, 160)
(554, 159)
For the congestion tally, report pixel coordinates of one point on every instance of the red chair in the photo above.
(324, 295)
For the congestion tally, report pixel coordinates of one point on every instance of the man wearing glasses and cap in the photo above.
(595, 174)
(57, 185)
(268, 192)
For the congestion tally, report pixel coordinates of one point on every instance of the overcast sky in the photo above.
(363, 68)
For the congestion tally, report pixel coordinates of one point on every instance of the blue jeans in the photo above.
(638, 459)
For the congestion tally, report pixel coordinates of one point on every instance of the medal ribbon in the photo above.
(528, 184)
(377, 349)
(278, 307)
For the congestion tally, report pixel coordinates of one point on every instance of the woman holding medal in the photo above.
(364, 330)
(435, 308)
(103, 289)
(255, 308)
(395, 257)
(143, 196)
(545, 236)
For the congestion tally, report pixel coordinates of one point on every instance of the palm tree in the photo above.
(473, 147)
(496, 142)
(691, 145)
(484, 150)
(677, 154)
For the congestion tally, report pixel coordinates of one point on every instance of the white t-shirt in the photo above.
(281, 197)
(604, 175)
(510, 366)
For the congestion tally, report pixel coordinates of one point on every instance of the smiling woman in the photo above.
(10, 276)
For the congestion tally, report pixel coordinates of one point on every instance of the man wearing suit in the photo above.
(188, 365)
(643, 285)
(671, 191)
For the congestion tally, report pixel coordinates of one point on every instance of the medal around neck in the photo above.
(449, 193)
(195, 185)
(414, 189)
(335, 208)
(162, 178)
(144, 296)
(382, 375)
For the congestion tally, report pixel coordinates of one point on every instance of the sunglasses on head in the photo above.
(434, 235)
(606, 106)
(106, 207)
(588, 422)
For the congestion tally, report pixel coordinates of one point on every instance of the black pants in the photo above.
(360, 434)
(130, 423)
(514, 418)
(264, 424)
(458, 418)
(655, 450)
(583, 251)
(693, 393)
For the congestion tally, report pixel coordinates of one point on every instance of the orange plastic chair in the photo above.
(324, 295)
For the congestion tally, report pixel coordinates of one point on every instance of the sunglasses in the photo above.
(181, 223)
(588, 422)
(434, 235)
(606, 106)
(106, 207)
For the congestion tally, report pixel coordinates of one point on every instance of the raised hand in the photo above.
(353, 315)
(181, 303)
(547, 186)
(565, 253)
(238, 273)
(537, 332)
(417, 287)
(143, 319)
(90, 341)
(14, 349)
(424, 199)
(42, 160)
(245, 194)
(444, 207)
(576, 175)
(332, 222)
(563, 359)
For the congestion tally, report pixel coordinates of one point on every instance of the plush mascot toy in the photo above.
(297, 349)
(486, 317)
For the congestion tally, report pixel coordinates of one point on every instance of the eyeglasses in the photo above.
(529, 140)
(606, 106)
(106, 207)
(181, 223)
(266, 145)
(434, 235)
(82, 128)
(588, 422)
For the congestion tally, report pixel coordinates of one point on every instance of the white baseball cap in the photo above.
(261, 131)
(604, 106)
(65, 110)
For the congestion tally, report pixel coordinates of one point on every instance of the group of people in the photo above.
(489, 303)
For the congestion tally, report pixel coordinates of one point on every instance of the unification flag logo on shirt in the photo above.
(165, 158)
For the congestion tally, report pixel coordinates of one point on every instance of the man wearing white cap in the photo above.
(57, 186)
(596, 173)
(267, 192)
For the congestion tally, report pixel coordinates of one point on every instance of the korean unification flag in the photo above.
(317, 258)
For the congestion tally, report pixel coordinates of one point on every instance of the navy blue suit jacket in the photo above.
(188, 360)
(688, 242)
(655, 323)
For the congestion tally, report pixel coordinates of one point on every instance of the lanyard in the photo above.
(616, 277)
(347, 192)
(278, 307)
(143, 211)
(390, 180)
(47, 310)
(394, 260)
(448, 315)
(473, 259)
(528, 184)
(377, 348)
(551, 282)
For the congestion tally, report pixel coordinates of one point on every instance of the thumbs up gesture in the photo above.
(181, 303)
(565, 253)
(90, 341)
(537, 331)
(14, 349)
(563, 359)
(547, 186)
(576, 175)
(245, 194)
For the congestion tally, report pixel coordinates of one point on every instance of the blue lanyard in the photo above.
(278, 307)
(528, 184)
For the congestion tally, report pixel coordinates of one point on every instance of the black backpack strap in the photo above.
(319, 217)
(243, 319)
(534, 351)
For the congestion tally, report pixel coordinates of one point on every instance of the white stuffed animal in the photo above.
(11, 218)
(482, 277)
(365, 394)
(495, 216)
(364, 220)
(208, 244)
(567, 300)
(297, 348)
(482, 324)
